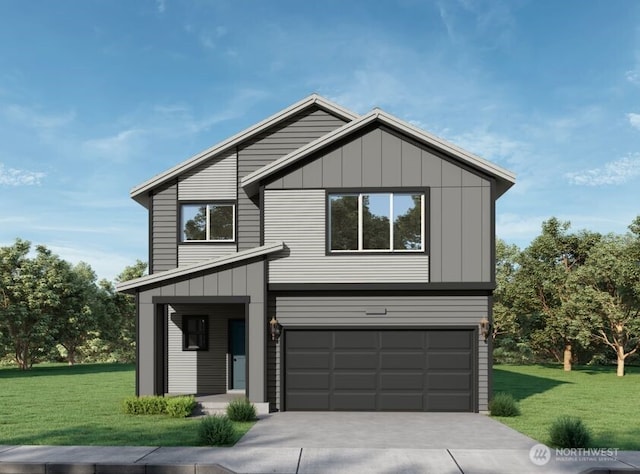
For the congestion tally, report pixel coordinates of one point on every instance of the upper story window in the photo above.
(376, 222)
(213, 222)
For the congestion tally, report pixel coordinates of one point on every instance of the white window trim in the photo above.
(360, 248)
(207, 225)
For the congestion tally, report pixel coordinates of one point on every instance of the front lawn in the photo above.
(80, 405)
(606, 403)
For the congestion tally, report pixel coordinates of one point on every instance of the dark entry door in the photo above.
(238, 354)
(379, 370)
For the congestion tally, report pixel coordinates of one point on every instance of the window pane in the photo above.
(221, 222)
(344, 222)
(375, 222)
(407, 222)
(194, 222)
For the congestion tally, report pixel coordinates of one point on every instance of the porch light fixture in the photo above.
(485, 328)
(274, 325)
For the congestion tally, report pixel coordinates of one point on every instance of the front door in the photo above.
(237, 350)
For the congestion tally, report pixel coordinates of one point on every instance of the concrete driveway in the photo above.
(383, 430)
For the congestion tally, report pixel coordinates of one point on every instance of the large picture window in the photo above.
(208, 222)
(376, 222)
(195, 333)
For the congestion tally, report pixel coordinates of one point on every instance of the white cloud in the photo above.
(634, 120)
(118, 147)
(34, 119)
(17, 177)
(161, 6)
(614, 172)
(633, 76)
(105, 264)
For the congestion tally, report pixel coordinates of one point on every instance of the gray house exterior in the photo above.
(321, 260)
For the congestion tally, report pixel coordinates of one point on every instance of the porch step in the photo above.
(219, 408)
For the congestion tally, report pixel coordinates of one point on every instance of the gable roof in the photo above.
(505, 178)
(137, 283)
(140, 192)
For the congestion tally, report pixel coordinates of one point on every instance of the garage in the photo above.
(379, 370)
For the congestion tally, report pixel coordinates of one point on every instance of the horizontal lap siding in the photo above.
(214, 180)
(189, 254)
(164, 229)
(405, 311)
(267, 147)
(297, 217)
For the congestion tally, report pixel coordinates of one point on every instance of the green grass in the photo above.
(80, 405)
(607, 404)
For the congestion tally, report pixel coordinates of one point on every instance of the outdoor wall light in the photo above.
(485, 328)
(274, 325)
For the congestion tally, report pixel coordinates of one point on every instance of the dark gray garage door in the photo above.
(371, 370)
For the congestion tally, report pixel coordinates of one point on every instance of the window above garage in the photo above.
(376, 222)
(208, 222)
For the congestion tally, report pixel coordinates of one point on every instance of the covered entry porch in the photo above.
(190, 326)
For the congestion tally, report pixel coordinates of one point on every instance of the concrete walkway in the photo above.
(334, 443)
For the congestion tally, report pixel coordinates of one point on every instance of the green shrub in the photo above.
(216, 430)
(503, 404)
(150, 405)
(569, 432)
(180, 407)
(241, 409)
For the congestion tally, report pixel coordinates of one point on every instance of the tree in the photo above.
(32, 289)
(543, 278)
(505, 321)
(117, 317)
(76, 314)
(610, 281)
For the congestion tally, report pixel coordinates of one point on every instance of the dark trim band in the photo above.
(200, 299)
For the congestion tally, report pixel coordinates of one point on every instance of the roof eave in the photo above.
(131, 286)
(505, 178)
(314, 99)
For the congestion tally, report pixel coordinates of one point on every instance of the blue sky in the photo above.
(97, 96)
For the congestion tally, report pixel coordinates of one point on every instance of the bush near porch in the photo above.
(57, 404)
(607, 404)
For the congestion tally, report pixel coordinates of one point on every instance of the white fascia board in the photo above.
(139, 192)
(200, 266)
(250, 182)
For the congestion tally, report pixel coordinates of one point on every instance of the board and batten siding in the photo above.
(297, 218)
(164, 240)
(460, 201)
(268, 146)
(426, 312)
(200, 371)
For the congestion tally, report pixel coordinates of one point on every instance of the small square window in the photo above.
(195, 331)
(208, 222)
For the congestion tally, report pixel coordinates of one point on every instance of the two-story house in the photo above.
(322, 260)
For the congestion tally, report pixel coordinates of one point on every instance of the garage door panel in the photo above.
(450, 381)
(306, 360)
(304, 381)
(381, 369)
(311, 340)
(448, 401)
(401, 401)
(355, 360)
(356, 340)
(402, 360)
(354, 401)
(449, 360)
(402, 381)
(307, 401)
(352, 381)
(402, 340)
(449, 339)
